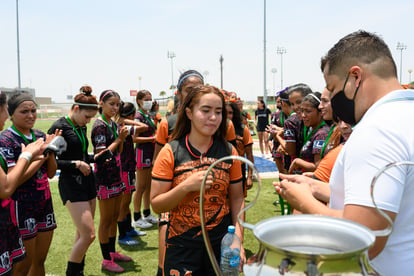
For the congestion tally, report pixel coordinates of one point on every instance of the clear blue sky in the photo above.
(110, 44)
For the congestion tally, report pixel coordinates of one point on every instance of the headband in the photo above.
(14, 102)
(180, 81)
(106, 93)
(86, 104)
(316, 98)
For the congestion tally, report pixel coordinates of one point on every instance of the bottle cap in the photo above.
(231, 229)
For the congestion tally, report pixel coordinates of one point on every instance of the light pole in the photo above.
(409, 74)
(205, 73)
(401, 47)
(18, 44)
(221, 71)
(264, 53)
(281, 51)
(274, 71)
(139, 83)
(171, 55)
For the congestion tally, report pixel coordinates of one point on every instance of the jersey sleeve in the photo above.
(163, 169)
(162, 133)
(289, 131)
(98, 136)
(231, 132)
(319, 140)
(235, 169)
(247, 137)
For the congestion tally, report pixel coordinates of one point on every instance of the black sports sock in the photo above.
(105, 249)
(73, 269)
(147, 212)
(137, 216)
(159, 272)
(122, 227)
(112, 241)
(129, 225)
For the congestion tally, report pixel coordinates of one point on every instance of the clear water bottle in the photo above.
(230, 253)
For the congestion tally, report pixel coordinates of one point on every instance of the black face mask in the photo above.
(343, 107)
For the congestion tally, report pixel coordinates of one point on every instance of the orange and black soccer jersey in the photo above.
(243, 140)
(165, 130)
(231, 132)
(175, 163)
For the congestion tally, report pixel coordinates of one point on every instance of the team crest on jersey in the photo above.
(100, 139)
(5, 260)
(7, 153)
(30, 224)
(318, 144)
(289, 133)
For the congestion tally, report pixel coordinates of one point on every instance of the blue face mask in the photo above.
(343, 107)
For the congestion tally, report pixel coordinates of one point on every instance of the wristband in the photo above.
(26, 155)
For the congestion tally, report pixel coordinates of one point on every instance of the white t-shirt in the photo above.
(384, 135)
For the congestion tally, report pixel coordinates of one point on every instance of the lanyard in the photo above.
(24, 137)
(81, 137)
(308, 136)
(110, 126)
(3, 164)
(327, 140)
(150, 121)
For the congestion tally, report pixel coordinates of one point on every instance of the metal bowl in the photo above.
(307, 242)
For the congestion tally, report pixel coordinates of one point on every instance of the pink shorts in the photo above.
(129, 180)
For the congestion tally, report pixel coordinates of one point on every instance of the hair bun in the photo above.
(86, 89)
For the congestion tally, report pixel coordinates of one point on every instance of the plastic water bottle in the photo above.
(230, 253)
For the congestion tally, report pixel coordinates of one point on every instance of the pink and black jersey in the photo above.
(315, 144)
(37, 187)
(128, 154)
(107, 173)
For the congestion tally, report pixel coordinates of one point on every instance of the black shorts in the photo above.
(77, 188)
(261, 127)
(180, 260)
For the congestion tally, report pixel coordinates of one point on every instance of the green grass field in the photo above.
(145, 255)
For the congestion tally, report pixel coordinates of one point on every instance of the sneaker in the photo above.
(136, 233)
(118, 257)
(110, 266)
(151, 219)
(141, 223)
(127, 241)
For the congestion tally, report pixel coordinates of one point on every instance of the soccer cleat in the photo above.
(141, 223)
(136, 233)
(117, 257)
(151, 219)
(111, 266)
(127, 241)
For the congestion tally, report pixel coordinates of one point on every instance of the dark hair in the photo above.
(183, 77)
(284, 97)
(85, 99)
(314, 98)
(304, 89)
(154, 105)
(16, 99)
(237, 120)
(3, 99)
(105, 95)
(183, 125)
(126, 109)
(360, 48)
(140, 95)
(263, 103)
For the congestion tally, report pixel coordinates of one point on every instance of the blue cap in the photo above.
(231, 229)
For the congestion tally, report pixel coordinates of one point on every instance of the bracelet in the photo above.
(26, 155)
(76, 164)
